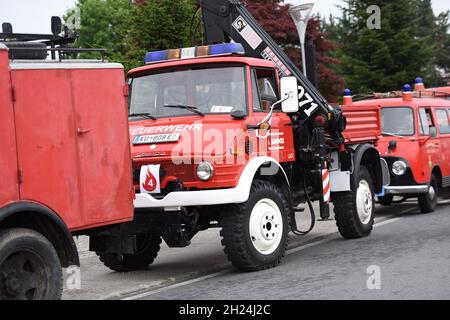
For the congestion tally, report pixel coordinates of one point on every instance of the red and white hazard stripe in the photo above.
(326, 185)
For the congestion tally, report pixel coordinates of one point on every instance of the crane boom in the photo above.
(229, 20)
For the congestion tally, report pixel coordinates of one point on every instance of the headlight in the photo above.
(399, 168)
(205, 171)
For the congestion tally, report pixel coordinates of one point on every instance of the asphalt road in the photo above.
(411, 255)
(408, 250)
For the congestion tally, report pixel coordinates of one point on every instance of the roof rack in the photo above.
(423, 94)
(38, 45)
(62, 52)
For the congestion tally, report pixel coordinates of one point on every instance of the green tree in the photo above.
(159, 25)
(384, 59)
(104, 24)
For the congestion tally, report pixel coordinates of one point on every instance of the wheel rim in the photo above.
(266, 226)
(364, 200)
(23, 276)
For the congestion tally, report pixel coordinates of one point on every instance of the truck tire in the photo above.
(28, 54)
(148, 246)
(428, 202)
(386, 200)
(255, 233)
(355, 210)
(29, 266)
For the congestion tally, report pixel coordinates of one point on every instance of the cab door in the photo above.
(443, 124)
(429, 142)
(277, 142)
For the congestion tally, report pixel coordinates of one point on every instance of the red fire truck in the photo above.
(415, 142)
(232, 135)
(64, 161)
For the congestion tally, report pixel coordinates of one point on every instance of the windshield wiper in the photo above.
(190, 108)
(145, 115)
(392, 135)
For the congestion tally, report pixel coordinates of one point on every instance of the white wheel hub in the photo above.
(364, 202)
(266, 226)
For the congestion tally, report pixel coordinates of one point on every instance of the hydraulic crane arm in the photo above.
(229, 20)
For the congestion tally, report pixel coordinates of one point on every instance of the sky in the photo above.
(33, 16)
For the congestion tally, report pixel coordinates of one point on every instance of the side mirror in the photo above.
(433, 132)
(289, 90)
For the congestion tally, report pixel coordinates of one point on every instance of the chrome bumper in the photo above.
(402, 190)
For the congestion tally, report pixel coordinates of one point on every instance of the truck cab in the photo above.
(231, 95)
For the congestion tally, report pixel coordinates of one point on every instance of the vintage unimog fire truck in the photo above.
(232, 135)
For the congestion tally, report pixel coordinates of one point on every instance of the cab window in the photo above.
(265, 92)
(425, 121)
(397, 121)
(442, 121)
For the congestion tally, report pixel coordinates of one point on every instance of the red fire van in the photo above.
(415, 143)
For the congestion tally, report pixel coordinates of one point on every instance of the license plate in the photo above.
(157, 138)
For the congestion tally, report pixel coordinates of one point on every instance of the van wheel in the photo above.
(255, 233)
(386, 200)
(29, 266)
(428, 202)
(355, 210)
(148, 246)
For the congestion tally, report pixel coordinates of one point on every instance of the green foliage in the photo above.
(104, 25)
(159, 25)
(411, 42)
(129, 29)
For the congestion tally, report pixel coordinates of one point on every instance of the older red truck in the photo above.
(65, 166)
(415, 142)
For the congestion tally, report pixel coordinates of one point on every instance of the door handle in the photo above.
(81, 131)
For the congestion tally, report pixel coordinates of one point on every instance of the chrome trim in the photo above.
(401, 190)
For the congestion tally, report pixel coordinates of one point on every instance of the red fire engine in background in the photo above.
(415, 141)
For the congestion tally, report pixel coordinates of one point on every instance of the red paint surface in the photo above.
(72, 143)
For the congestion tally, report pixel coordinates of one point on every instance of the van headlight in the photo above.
(399, 168)
(205, 171)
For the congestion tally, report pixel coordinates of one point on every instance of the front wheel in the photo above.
(428, 202)
(148, 246)
(255, 233)
(355, 210)
(29, 266)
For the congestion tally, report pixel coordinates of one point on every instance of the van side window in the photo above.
(426, 121)
(267, 89)
(442, 120)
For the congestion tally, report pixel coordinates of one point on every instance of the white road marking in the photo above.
(220, 273)
(176, 285)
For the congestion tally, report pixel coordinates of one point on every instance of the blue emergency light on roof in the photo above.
(419, 80)
(195, 52)
(347, 92)
(407, 88)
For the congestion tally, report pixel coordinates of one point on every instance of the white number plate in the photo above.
(157, 138)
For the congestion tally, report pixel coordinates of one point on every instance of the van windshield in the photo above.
(397, 121)
(180, 92)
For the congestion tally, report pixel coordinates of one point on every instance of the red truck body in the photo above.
(65, 140)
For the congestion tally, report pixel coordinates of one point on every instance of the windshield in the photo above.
(397, 121)
(207, 90)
